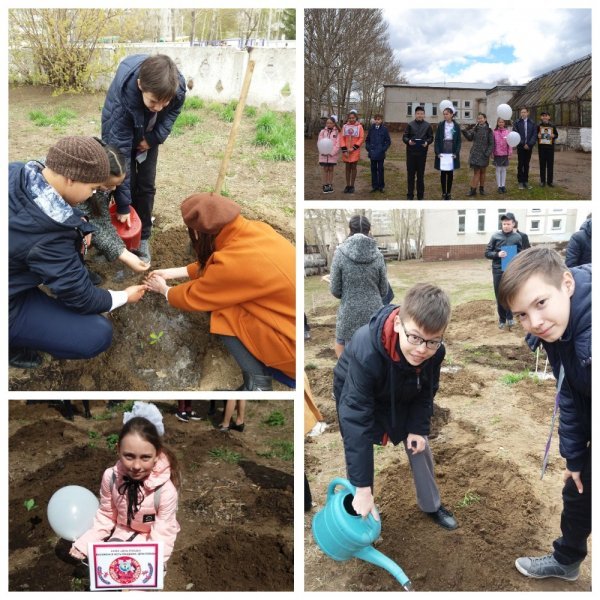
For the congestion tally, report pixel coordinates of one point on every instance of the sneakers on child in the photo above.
(540, 567)
(501, 325)
(329, 189)
(182, 416)
(194, 416)
(444, 518)
(510, 323)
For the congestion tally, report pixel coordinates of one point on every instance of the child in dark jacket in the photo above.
(377, 143)
(554, 305)
(48, 240)
(141, 105)
(546, 135)
(384, 385)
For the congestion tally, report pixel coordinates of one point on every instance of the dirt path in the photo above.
(236, 517)
(488, 439)
(572, 177)
(186, 357)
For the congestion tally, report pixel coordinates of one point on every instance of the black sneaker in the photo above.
(351, 189)
(347, 189)
(24, 358)
(329, 189)
(550, 185)
(94, 277)
(182, 416)
(444, 518)
(194, 416)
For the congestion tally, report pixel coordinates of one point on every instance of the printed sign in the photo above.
(351, 130)
(125, 565)
(546, 135)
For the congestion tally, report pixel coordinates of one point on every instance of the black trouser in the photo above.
(576, 518)
(546, 154)
(503, 314)
(415, 165)
(247, 361)
(377, 180)
(523, 159)
(143, 188)
(446, 178)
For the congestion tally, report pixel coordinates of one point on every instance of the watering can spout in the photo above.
(375, 557)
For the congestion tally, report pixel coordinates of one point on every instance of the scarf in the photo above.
(135, 496)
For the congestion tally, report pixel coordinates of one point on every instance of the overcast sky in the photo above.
(484, 46)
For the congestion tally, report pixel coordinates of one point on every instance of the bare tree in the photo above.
(339, 70)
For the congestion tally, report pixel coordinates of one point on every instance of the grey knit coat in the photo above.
(482, 137)
(105, 239)
(358, 278)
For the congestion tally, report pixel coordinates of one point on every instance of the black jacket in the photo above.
(378, 141)
(124, 118)
(376, 395)
(579, 248)
(495, 244)
(418, 130)
(44, 251)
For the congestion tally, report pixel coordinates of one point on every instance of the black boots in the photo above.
(472, 192)
(481, 191)
(257, 383)
(24, 358)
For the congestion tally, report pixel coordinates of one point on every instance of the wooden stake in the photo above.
(234, 128)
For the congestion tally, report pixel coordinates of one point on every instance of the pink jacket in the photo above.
(501, 148)
(111, 518)
(333, 135)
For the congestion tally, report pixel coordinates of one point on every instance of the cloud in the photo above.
(461, 45)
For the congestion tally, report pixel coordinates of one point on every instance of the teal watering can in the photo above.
(343, 534)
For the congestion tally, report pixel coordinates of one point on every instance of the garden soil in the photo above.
(488, 440)
(236, 518)
(186, 356)
(572, 177)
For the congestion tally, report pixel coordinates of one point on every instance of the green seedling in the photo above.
(275, 419)
(468, 499)
(93, 435)
(112, 440)
(310, 367)
(30, 504)
(281, 449)
(512, 378)
(156, 337)
(226, 455)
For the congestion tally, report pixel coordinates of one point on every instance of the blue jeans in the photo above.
(43, 323)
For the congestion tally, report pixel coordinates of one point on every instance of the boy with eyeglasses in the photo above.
(384, 385)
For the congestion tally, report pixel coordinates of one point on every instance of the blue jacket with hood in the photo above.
(45, 251)
(124, 119)
(379, 394)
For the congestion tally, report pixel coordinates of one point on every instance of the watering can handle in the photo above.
(352, 489)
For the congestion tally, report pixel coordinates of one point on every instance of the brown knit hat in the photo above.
(79, 158)
(208, 212)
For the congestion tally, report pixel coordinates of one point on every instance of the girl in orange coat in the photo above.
(245, 277)
(351, 140)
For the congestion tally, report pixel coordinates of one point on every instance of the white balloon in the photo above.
(444, 104)
(325, 146)
(513, 139)
(71, 511)
(504, 111)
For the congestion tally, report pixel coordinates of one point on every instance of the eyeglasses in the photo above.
(416, 340)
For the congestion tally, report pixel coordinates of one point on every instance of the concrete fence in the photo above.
(216, 73)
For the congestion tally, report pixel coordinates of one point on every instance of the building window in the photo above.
(434, 111)
(536, 211)
(535, 225)
(467, 104)
(467, 114)
(481, 219)
(461, 220)
(556, 224)
(455, 103)
(409, 110)
(501, 211)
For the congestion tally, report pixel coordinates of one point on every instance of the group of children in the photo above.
(418, 135)
(387, 376)
(59, 208)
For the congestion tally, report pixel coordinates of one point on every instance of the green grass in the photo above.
(193, 103)
(250, 111)
(275, 419)
(310, 366)
(228, 111)
(226, 455)
(512, 378)
(277, 132)
(61, 118)
(112, 440)
(281, 449)
(185, 120)
(469, 499)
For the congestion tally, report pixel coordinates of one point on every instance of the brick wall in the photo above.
(433, 253)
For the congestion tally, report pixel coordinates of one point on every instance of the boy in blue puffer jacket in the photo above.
(377, 143)
(141, 106)
(554, 305)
